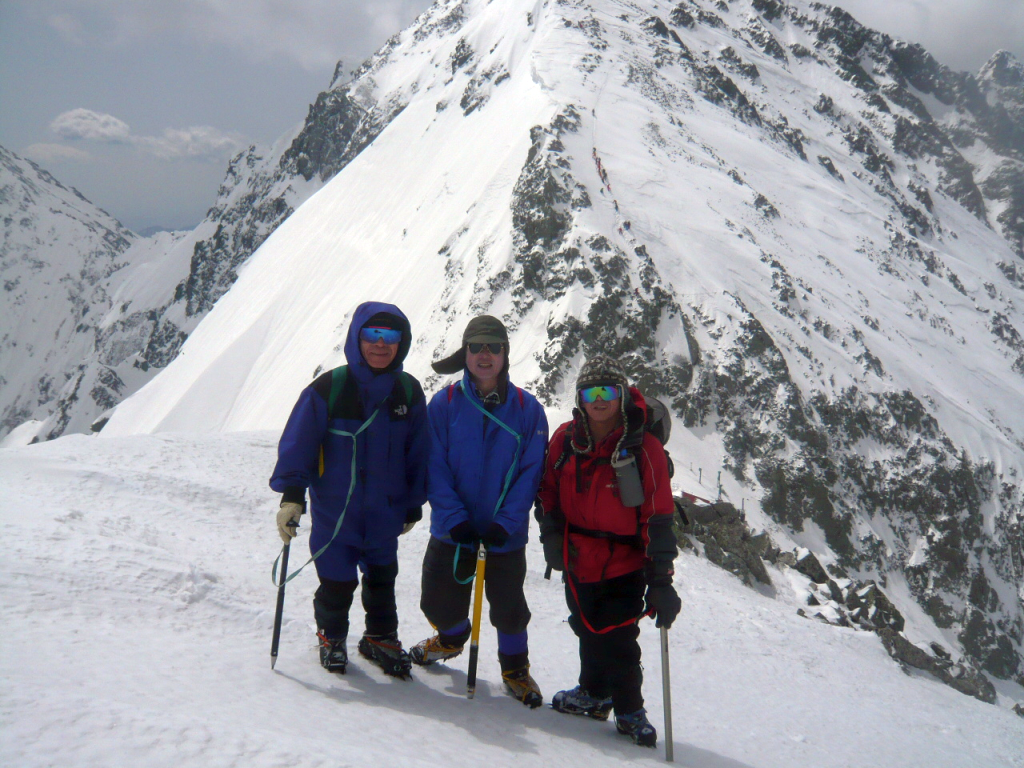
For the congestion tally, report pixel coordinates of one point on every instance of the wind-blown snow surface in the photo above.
(138, 610)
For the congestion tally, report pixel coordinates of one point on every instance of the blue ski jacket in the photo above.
(470, 457)
(391, 454)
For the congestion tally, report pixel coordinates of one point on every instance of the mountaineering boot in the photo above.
(520, 685)
(578, 702)
(333, 655)
(637, 727)
(386, 652)
(436, 648)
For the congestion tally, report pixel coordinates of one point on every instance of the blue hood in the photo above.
(366, 310)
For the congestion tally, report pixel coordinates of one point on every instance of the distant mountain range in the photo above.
(803, 234)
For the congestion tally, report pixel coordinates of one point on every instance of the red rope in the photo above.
(576, 597)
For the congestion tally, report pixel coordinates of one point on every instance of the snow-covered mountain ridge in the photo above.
(57, 254)
(802, 233)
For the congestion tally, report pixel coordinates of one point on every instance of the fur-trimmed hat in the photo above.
(483, 329)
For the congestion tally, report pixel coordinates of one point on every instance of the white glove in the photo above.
(288, 513)
(408, 527)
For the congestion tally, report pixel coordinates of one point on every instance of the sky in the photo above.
(139, 104)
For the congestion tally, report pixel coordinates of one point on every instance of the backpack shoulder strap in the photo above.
(406, 383)
(343, 401)
(566, 449)
(338, 378)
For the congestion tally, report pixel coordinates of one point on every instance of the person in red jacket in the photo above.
(605, 513)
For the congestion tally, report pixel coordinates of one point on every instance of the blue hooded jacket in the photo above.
(391, 454)
(470, 457)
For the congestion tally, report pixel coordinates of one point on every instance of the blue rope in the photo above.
(509, 476)
(348, 498)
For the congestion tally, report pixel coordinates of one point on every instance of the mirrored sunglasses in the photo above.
(606, 393)
(387, 335)
(476, 349)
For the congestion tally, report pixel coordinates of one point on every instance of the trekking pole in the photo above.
(478, 599)
(280, 604)
(666, 692)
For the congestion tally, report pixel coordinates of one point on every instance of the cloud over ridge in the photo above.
(195, 142)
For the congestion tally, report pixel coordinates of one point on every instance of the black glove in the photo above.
(553, 544)
(663, 600)
(494, 536)
(464, 533)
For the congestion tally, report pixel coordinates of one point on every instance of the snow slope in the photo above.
(138, 611)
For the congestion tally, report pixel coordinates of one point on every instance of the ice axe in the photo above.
(666, 692)
(478, 600)
(280, 598)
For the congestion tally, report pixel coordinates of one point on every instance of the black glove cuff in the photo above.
(659, 573)
(294, 494)
(413, 514)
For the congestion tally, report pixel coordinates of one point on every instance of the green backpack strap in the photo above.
(406, 380)
(338, 377)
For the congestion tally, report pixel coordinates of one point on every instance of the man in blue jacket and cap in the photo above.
(487, 451)
(368, 416)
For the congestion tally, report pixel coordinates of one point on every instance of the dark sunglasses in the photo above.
(476, 349)
(387, 335)
(606, 393)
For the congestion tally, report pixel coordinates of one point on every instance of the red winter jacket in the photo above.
(596, 507)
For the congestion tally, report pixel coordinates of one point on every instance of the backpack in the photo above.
(343, 400)
(344, 403)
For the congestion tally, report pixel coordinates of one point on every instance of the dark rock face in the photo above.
(962, 677)
(720, 532)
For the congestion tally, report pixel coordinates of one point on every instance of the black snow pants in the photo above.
(445, 602)
(609, 662)
(332, 601)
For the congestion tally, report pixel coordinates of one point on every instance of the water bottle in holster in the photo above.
(627, 474)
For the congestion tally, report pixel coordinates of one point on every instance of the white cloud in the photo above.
(56, 153)
(94, 126)
(197, 142)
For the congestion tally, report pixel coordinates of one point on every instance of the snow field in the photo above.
(138, 611)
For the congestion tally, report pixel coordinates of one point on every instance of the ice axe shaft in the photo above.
(478, 601)
(280, 605)
(666, 692)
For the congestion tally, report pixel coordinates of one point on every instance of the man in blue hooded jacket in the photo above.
(488, 442)
(370, 416)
